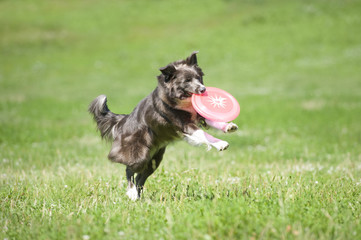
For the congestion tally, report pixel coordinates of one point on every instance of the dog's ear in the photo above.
(192, 59)
(168, 71)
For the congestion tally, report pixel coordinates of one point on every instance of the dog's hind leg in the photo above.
(151, 167)
(131, 189)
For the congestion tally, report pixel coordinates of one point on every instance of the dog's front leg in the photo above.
(199, 137)
(223, 126)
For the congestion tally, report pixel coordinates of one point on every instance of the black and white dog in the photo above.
(140, 138)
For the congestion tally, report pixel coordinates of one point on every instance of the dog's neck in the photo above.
(162, 94)
(185, 104)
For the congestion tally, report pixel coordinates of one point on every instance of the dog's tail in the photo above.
(105, 119)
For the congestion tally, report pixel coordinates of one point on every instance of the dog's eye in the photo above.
(188, 80)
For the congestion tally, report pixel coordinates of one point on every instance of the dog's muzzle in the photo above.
(201, 89)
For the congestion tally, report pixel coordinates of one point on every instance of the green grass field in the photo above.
(292, 171)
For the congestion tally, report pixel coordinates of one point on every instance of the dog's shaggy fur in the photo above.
(140, 138)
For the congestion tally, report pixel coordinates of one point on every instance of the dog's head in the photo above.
(182, 78)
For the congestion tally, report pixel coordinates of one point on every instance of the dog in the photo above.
(164, 116)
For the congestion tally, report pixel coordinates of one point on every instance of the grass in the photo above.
(293, 170)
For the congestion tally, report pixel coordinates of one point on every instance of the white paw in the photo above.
(132, 193)
(231, 127)
(220, 145)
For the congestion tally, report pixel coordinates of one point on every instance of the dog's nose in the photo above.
(202, 89)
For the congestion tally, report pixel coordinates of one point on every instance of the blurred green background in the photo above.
(294, 67)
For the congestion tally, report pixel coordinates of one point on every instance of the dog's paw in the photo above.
(220, 145)
(132, 193)
(231, 127)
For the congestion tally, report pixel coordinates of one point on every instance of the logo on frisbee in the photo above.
(217, 101)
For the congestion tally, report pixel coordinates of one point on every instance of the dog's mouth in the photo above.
(186, 95)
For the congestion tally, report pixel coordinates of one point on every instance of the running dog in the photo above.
(165, 115)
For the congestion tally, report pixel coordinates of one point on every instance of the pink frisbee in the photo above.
(216, 104)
